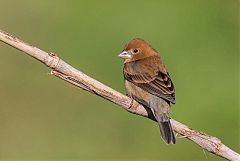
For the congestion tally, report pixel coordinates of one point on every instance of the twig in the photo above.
(66, 72)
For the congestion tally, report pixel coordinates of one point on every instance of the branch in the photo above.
(66, 72)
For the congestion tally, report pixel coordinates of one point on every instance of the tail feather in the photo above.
(166, 128)
(167, 132)
(160, 109)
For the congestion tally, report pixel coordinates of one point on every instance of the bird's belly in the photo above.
(137, 93)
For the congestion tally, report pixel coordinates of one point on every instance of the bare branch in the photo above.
(66, 72)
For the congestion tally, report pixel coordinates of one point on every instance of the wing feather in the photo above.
(155, 82)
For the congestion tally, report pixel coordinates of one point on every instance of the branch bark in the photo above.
(66, 72)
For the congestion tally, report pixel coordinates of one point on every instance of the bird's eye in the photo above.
(135, 50)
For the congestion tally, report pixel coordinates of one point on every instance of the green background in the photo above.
(42, 117)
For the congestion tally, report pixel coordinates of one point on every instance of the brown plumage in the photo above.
(148, 82)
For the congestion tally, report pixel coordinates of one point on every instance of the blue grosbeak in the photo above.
(148, 82)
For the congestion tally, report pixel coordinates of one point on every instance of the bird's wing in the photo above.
(155, 82)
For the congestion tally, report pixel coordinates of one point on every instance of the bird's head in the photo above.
(136, 49)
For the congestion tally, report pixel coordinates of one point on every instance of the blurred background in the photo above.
(42, 117)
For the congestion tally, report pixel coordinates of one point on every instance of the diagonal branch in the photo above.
(66, 72)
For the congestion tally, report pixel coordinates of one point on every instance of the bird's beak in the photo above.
(125, 54)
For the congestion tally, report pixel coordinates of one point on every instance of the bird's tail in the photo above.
(166, 129)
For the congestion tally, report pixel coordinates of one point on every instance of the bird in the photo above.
(147, 81)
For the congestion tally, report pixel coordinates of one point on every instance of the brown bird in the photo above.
(148, 82)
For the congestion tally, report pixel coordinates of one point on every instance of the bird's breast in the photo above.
(137, 93)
